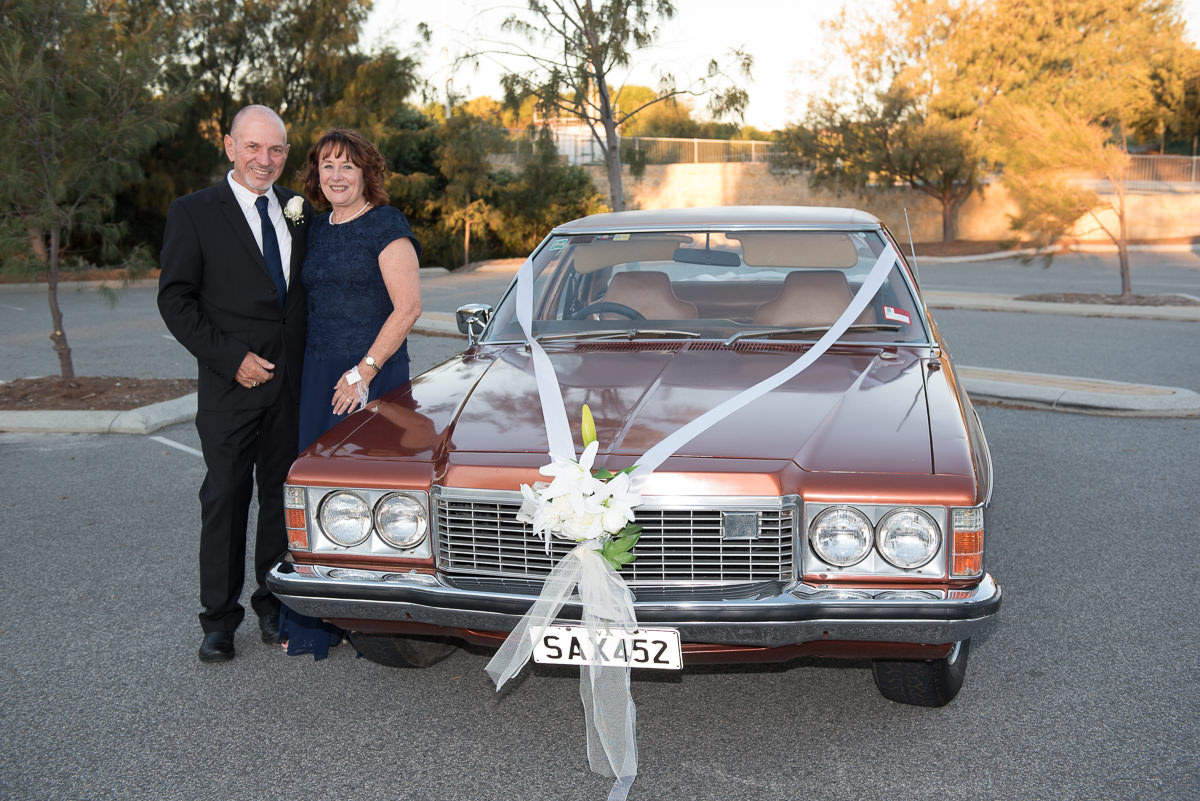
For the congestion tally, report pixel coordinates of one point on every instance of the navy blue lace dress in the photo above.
(347, 305)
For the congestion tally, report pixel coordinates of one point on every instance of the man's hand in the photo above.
(254, 370)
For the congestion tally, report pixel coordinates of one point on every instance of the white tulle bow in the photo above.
(604, 689)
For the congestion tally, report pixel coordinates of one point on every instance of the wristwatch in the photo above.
(369, 361)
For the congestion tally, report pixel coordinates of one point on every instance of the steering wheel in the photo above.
(608, 307)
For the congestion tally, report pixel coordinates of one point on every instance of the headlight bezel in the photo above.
(874, 565)
(374, 544)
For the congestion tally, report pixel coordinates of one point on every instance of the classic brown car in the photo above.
(839, 515)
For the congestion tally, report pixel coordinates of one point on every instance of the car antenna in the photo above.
(912, 247)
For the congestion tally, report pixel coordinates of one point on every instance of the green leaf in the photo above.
(617, 551)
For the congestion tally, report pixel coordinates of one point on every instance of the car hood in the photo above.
(860, 409)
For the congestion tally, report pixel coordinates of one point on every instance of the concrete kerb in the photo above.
(145, 420)
(1032, 253)
(1080, 395)
(979, 301)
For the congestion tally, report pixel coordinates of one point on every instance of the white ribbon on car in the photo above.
(606, 600)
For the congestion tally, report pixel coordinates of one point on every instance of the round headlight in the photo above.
(345, 518)
(908, 538)
(841, 536)
(401, 521)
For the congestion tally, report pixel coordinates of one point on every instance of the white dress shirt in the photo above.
(245, 199)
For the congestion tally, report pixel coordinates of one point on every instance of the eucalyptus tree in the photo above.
(946, 65)
(889, 140)
(574, 47)
(76, 112)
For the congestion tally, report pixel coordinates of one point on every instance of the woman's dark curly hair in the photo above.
(364, 155)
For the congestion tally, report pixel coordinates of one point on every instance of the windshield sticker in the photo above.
(620, 237)
(558, 244)
(899, 315)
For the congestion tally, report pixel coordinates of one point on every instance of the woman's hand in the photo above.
(350, 392)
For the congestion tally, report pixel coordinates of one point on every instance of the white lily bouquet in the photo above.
(584, 505)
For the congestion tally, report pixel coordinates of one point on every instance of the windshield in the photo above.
(731, 285)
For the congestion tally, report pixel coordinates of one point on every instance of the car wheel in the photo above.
(930, 682)
(394, 650)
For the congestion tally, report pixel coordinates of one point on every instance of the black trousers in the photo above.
(239, 448)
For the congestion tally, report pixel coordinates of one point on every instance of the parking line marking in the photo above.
(14, 308)
(170, 443)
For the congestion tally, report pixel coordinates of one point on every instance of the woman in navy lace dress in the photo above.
(361, 278)
(360, 273)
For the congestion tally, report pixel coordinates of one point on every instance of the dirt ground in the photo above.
(109, 393)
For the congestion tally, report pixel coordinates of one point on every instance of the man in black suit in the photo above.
(230, 292)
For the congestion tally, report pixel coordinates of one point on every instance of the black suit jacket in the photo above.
(219, 302)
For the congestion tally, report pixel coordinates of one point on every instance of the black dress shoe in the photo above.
(269, 626)
(217, 647)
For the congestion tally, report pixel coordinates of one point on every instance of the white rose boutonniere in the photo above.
(294, 210)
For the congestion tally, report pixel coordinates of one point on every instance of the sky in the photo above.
(783, 36)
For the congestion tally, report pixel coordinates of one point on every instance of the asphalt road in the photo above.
(1087, 688)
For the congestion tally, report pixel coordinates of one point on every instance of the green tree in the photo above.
(466, 143)
(889, 142)
(234, 53)
(955, 59)
(76, 114)
(587, 41)
(542, 194)
(1048, 150)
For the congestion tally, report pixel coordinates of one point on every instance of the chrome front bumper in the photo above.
(765, 614)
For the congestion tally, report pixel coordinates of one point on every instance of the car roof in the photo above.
(722, 217)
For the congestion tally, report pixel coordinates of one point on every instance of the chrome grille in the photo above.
(478, 534)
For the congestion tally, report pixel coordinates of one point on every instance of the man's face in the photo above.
(258, 148)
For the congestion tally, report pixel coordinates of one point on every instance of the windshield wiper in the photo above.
(624, 333)
(771, 333)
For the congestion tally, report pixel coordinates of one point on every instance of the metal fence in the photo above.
(582, 148)
(1146, 173)
(661, 150)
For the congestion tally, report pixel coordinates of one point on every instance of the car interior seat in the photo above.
(810, 297)
(650, 294)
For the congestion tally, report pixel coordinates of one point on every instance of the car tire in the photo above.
(394, 650)
(930, 682)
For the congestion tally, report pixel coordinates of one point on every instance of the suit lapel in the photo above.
(240, 226)
(297, 231)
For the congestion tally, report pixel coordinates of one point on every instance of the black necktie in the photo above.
(271, 249)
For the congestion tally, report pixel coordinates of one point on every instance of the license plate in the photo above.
(644, 648)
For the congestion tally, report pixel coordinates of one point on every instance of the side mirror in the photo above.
(472, 318)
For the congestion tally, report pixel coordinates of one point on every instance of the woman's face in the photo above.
(341, 180)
